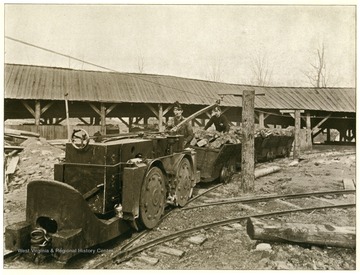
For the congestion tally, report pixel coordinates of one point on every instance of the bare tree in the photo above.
(215, 70)
(140, 62)
(318, 74)
(261, 69)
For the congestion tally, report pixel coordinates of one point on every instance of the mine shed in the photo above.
(42, 93)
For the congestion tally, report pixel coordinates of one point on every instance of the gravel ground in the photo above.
(225, 247)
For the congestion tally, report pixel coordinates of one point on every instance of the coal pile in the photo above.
(214, 139)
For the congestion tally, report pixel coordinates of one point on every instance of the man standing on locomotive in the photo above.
(219, 120)
(186, 129)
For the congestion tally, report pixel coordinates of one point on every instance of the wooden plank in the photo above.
(21, 132)
(170, 251)
(348, 184)
(10, 147)
(11, 167)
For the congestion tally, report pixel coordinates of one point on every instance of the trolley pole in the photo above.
(248, 144)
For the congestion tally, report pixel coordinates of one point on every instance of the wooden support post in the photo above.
(247, 158)
(67, 117)
(297, 135)
(261, 120)
(131, 121)
(308, 121)
(103, 119)
(161, 127)
(328, 139)
(37, 112)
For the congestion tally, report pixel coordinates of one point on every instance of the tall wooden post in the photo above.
(37, 112)
(161, 127)
(328, 137)
(296, 154)
(261, 120)
(67, 117)
(247, 153)
(103, 119)
(308, 121)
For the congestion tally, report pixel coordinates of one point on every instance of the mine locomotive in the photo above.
(102, 190)
(106, 188)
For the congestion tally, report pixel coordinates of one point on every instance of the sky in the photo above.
(191, 41)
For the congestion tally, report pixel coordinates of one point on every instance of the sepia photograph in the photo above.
(179, 136)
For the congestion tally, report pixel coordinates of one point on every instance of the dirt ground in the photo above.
(227, 247)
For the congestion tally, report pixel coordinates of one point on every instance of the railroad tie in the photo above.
(147, 260)
(323, 199)
(288, 204)
(170, 251)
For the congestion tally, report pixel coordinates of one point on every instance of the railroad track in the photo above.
(286, 205)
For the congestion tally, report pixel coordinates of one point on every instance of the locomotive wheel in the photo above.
(152, 198)
(184, 186)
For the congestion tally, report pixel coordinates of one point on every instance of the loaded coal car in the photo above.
(102, 190)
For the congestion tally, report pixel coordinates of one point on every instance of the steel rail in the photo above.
(272, 197)
(125, 255)
(145, 231)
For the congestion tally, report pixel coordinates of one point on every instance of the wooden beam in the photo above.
(59, 119)
(247, 158)
(27, 106)
(47, 106)
(123, 121)
(155, 112)
(83, 120)
(95, 109)
(112, 107)
(321, 122)
(318, 132)
(197, 122)
(290, 111)
(167, 110)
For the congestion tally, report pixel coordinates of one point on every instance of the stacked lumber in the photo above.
(214, 139)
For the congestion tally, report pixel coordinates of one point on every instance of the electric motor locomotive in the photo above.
(103, 189)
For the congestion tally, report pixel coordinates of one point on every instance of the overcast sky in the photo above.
(188, 40)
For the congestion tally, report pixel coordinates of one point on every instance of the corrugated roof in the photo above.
(48, 83)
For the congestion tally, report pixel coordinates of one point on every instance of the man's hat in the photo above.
(177, 105)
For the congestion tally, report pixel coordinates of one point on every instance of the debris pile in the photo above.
(34, 159)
